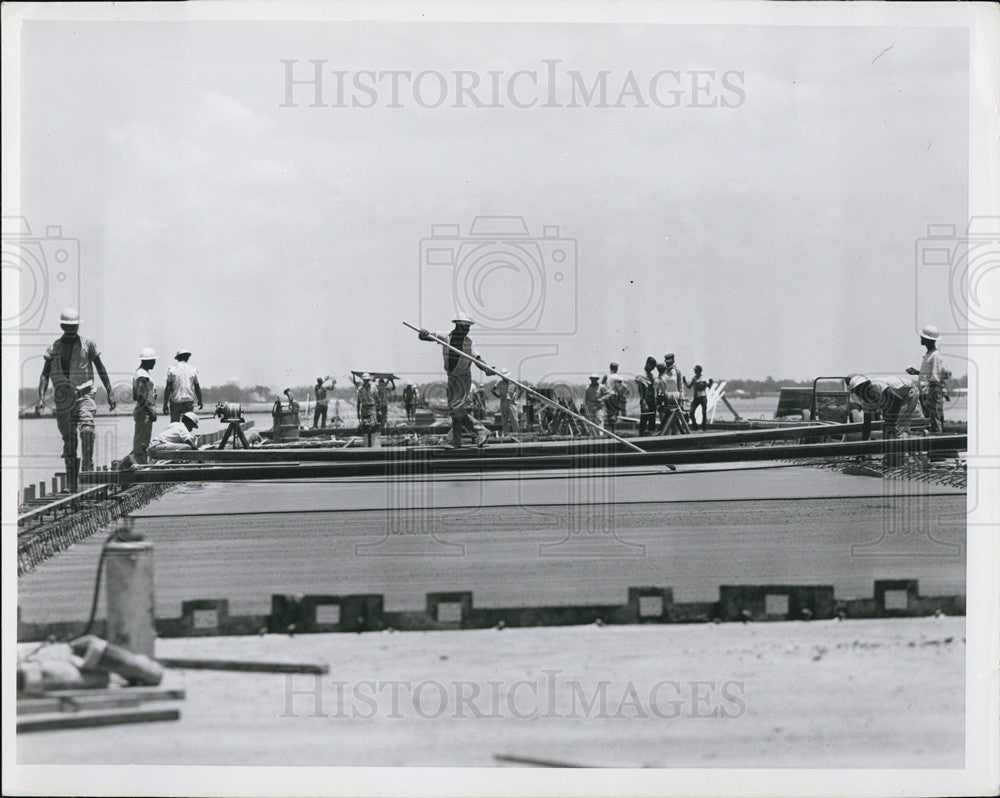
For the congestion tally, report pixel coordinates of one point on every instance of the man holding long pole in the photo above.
(459, 371)
(470, 357)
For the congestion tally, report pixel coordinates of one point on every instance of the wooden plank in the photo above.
(34, 706)
(89, 720)
(75, 700)
(245, 666)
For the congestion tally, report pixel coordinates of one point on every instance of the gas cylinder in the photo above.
(131, 623)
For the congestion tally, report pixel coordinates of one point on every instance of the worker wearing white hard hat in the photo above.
(69, 363)
(144, 412)
(932, 379)
(177, 436)
(896, 399)
(182, 387)
(459, 372)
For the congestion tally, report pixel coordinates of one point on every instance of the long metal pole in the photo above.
(533, 392)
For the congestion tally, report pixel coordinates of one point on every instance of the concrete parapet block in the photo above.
(451, 610)
(896, 597)
(204, 617)
(650, 604)
(776, 602)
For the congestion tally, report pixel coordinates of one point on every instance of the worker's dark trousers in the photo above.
(178, 409)
(702, 402)
(319, 415)
(647, 421)
(932, 403)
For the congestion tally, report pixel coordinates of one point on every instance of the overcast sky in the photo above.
(773, 234)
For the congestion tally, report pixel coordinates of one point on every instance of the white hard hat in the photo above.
(182, 352)
(857, 381)
(147, 354)
(504, 372)
(69, 315)
(192, 418)
(930, 332)
(366, 376)
(462, 318)
(594, 377)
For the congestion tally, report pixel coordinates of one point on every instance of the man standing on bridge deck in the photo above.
(144, 414)
(508, 393)
(70, 364)
(319, 414)
(459, 371)
(176, 437)
(932, 375)
(410, 401)
(182, 387)
(368, 411)
(592, 401)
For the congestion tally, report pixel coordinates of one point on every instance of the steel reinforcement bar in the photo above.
(35, 544)
(411, 463)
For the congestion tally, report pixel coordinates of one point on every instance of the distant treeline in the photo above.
(344, 390)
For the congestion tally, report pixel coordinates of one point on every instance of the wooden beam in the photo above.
(88, 720)
(245, 666)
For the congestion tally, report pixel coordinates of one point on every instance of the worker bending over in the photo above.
(176, 437)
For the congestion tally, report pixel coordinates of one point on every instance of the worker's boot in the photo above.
(87, 450)
(72, 472)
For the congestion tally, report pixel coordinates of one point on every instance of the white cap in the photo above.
(462, 318)
(182, 352)
(191, 417)
(366, 376)
(930, 332)
(69, 315)
(147, 354)
(504, 372)
(857, 381)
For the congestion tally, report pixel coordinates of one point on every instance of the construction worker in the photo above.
(144, 413)
(614, 397)
(368, 424)
(932, 376)
(293, 404)
(897, 400)
(410, 401)
(176, 437)
(320, 390)
(69, 363)
(592, 401)
(672, 396)
(459, 372)
(508, 393)
(382, 388)
(182, 387)
(699, 387)
(646, 383)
